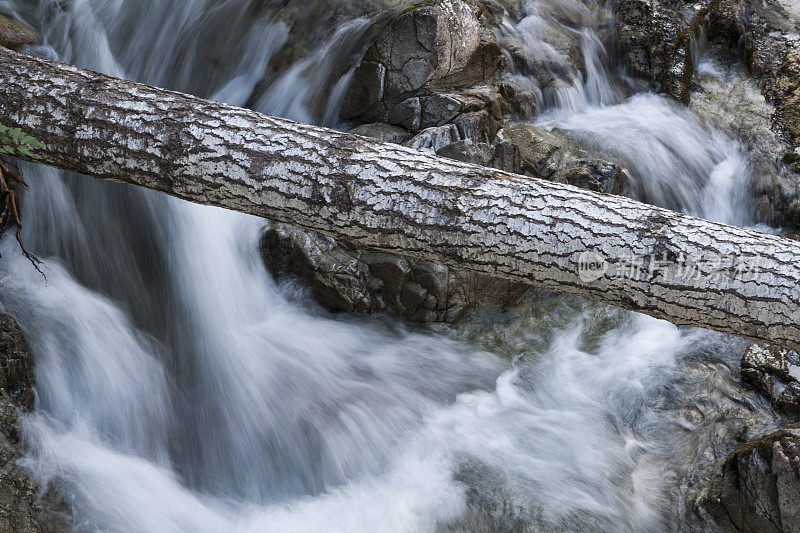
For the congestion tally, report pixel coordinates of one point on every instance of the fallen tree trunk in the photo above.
(393, 198)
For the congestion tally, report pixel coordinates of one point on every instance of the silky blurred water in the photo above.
(180, 389)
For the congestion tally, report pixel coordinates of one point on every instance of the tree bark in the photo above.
(405, 201)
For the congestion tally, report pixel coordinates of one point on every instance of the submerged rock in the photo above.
(759, 488)
(13, 34)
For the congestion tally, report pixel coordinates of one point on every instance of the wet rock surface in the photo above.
(729, 98)
(365, 281)
(759, 488)
(382, 132)
(21, 510)
(767, 36)
(774, 372)
(656, 39)
(17, 490)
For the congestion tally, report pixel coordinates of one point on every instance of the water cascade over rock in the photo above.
(202, 370)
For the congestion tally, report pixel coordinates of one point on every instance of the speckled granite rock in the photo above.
(13, 34)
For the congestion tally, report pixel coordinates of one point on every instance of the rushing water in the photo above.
(180, 389)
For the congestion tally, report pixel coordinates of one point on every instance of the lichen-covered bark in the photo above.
(397, 199)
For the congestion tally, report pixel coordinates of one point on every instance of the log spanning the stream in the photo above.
(608, 248)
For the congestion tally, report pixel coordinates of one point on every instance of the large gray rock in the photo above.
(758, 490)
(341, 278)
(468, 152)
(13, 34)
(333, 273)
(435, 138)
(432, 47)
(550, 156)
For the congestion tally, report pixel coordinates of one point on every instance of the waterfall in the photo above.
(180, 388)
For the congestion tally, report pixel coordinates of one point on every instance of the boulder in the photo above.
(468, 152)
(432, 47)
(519, 99)
(789, 399)
(13, 34)
(758, 490)
(365, 91)
(407, 114)
(548, 155)
(500, 155)
(773, 372)
(506, 157)
(433, 139)
(656, 41)
(343, 279)
(333, 273)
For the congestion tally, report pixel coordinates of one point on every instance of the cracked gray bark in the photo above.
(401, 200)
